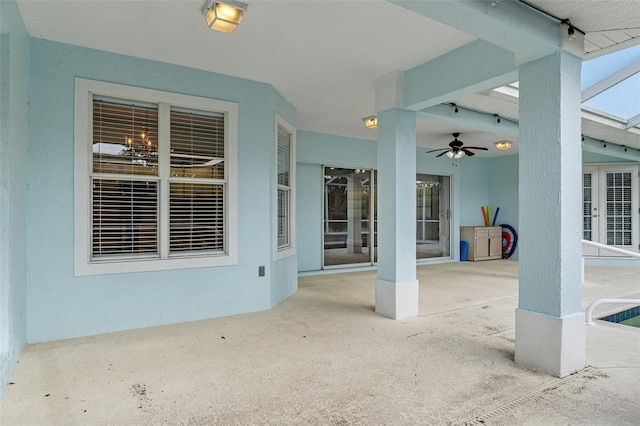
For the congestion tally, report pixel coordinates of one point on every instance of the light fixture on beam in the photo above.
(224, 16)
(371, 122)
(503, 145)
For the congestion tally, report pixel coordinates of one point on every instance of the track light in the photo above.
(497, 118)
(571, 32)
(455, 108)
(625, 148)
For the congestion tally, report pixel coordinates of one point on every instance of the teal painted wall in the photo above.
(594, 158)
(309, 201)
(313, 151)
(14, 133)
(61, 305)
(503, 193)
(474, 190)
(469, 181)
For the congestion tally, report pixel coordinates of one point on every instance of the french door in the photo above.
(610, 208)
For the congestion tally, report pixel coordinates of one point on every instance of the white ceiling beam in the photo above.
(611, 80)
(474, 67)
(610, 149)
(471, 119)
(511, 25)
(633, 121)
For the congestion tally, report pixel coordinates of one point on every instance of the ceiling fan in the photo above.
(456, 149)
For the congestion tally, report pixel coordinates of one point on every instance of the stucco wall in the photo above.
(14, 133)
(469, 181)
(61, 305)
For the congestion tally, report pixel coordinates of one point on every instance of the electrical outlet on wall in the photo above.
(261, 271)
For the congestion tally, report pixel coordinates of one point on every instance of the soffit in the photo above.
(609, 25)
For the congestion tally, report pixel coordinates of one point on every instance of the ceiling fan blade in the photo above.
(439, 149)
(477, 147)
(468, 153)
(441, 154)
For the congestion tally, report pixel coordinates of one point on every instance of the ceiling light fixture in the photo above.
(371, 122)
(503, 145)
(224, 16)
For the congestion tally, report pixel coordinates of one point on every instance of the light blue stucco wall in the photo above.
(503, 184)
(474, 190)
(594, 158)
(61, 305)
(313, 151)
(14, 133)
(469, 182)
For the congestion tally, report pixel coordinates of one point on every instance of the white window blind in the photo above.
(586, 205)
(284, 187)
(155, 180)
(124, 181)
(197, 182)
(619, 211)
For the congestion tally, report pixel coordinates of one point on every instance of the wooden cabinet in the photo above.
(485, 242)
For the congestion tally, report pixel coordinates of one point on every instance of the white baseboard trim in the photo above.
(397, 300)
(549, 344)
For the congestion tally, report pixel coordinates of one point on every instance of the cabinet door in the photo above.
(482, 247)
(495, 243)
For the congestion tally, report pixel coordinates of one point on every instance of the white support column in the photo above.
(550, 329)
(397, 286)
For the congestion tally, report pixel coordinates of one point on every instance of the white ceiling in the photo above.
(322, 56)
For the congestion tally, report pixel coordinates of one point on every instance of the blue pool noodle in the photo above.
(495, 216)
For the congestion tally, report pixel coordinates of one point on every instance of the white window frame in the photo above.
(289, 249)
(83, 264)
(600, 170)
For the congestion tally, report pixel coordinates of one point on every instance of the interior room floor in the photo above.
(324, 357)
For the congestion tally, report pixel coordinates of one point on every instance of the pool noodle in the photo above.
(484, 214)
(488, 215)
(495, 216)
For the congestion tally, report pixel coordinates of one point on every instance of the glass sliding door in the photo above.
(433, 216)
(347, 219)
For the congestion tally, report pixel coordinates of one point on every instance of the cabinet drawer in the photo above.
(482, 232)
(495, 233)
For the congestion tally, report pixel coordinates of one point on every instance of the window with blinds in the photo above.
(587, 205)
(129, 168)
(124, 179)
(284, 187)
(619, 211)
(155, 180)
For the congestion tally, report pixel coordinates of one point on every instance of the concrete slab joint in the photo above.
(397, 300)
(552, 345)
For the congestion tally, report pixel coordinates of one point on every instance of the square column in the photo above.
(550, 328)
(397, 286)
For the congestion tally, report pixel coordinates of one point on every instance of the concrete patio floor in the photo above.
(324, 357)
